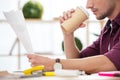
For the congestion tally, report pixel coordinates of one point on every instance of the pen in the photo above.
(110, 74)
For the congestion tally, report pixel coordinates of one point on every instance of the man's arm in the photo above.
(70, 48)
(89, 64)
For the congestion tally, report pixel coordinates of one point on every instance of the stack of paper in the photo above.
(17, 22)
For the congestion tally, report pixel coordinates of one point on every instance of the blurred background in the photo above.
(45, 33)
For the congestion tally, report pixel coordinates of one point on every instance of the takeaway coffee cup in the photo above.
(79, 16)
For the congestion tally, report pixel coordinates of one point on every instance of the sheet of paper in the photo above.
(17, 22)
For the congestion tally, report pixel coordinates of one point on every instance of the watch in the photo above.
(57, 64)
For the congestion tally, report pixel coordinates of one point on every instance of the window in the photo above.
(52, 34)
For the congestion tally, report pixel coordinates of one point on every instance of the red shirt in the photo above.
(107, 44)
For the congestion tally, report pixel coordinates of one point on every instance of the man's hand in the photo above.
(36, 60)
(66, 16)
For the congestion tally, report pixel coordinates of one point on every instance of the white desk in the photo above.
(6, 76)
(89, 77)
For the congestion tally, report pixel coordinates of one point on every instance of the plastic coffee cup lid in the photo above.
(87, 14)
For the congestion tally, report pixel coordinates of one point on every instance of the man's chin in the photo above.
(99, 18)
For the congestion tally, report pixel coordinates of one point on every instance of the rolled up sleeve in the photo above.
(114, 55)
(91, 50)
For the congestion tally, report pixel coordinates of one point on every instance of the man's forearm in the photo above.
(90, 64)
(71, 50)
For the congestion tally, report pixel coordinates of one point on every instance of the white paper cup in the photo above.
(79, 16)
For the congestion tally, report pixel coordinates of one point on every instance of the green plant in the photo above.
(78, 44)
(32, 9)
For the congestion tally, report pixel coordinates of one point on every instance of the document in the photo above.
(17, 22)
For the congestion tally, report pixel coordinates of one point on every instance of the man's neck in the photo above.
(115, 12)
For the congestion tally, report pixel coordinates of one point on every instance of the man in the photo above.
(103, 54)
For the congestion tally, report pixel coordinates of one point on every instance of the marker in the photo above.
(49, 74)
(110, 74)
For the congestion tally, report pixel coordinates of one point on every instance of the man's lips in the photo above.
(94, 11)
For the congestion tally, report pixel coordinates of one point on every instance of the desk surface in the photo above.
(86, 77)
(16, 76)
